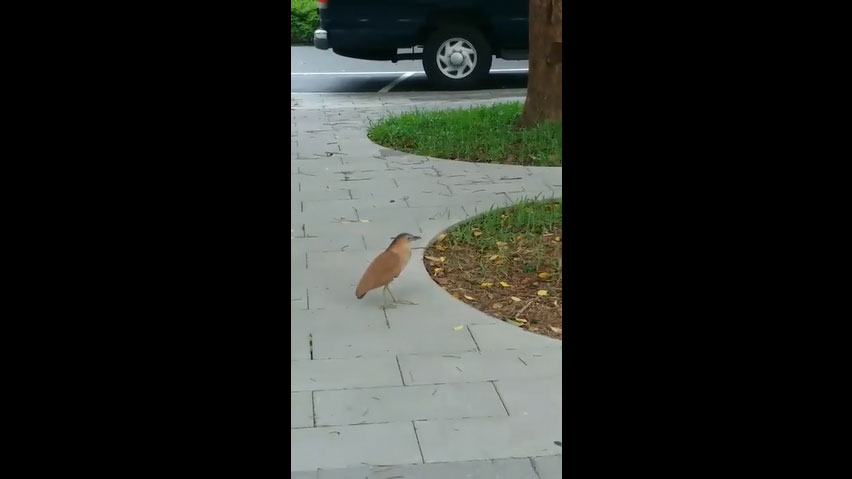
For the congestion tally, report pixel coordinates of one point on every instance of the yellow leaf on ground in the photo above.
(505, 284)
(515, 298)
(557, 239)
(477, 234)
(432, 258)
(468, 297)
(543, 275)
(521, 320)
(438, 270)
(458, 328)
(494, 256)
(442, 259)
(555, 329)
(502, 243)
(440, 247)
(442, 236)
(485, 285)
(542, 292)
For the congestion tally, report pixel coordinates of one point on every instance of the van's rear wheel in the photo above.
(456, 58)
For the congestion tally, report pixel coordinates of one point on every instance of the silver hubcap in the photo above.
(456, 58)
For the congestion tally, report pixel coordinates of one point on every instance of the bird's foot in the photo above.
(405, 301)
(387, 306)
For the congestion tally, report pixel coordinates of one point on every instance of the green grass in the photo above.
(530, 231)
(303, 21)
(525, 218)
(485, 134)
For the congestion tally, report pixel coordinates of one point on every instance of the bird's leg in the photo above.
(402, 301)
(385, 298)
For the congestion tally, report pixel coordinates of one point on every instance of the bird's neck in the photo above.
(399, 247)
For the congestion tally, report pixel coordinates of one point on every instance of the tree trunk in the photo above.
(544, 87)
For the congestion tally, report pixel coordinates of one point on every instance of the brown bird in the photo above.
(387, 267)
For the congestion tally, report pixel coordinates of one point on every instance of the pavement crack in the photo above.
(500, 397)
(401, 377)
(418, 442)
(473, 338)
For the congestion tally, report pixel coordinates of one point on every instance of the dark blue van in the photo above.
(455, 39)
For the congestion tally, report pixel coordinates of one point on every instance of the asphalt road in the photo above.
(321, 71)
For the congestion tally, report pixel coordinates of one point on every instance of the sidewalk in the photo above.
(405, 393)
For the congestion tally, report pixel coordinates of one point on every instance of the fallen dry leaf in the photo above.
(543, 275)
(542, 292)
(557, 239)
(555, 329)
(515, 298)
(365, 221)
(497, 306)
(432, 258)
(438, 270)
(485, 285)
(493, 257)
(442, 236)
(442, 259)
(440, 247)
(469, 297)
(477, 234)
(521, 320)
(458, 328)
(505, 284)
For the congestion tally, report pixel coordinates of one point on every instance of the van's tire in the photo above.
(456, 58)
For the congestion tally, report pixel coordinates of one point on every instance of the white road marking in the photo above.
(396, 82)
(402, 73)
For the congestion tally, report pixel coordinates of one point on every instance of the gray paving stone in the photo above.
(384, 342)
(548, 467)
(298, 299)
(343, 373)
(376, 235)
(301, 410)
(487, 438)
(306, 322)
(395, 404)
(532, 397)
(492, 469)
(351, 446)
(436, 307)
(502, 336)
(486, 366)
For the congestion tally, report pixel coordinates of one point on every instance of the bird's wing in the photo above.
(381, 271)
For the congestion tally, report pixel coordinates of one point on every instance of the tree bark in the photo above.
(544, 86)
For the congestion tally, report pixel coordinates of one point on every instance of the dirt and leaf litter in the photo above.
(506, 263)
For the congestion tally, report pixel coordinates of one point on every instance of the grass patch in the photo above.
(303, 21)
(506, 263)
(485, 134)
